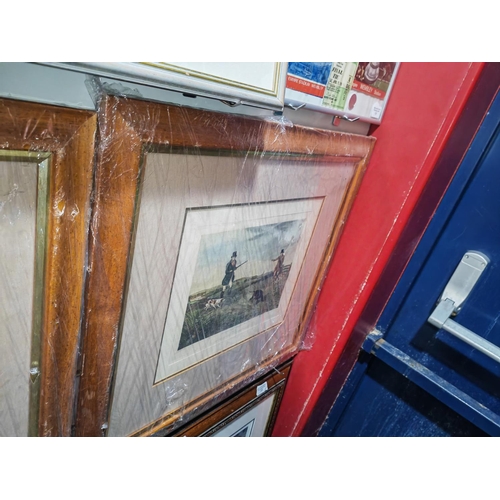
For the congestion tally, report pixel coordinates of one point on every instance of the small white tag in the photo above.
(377, 110)
(261, 389)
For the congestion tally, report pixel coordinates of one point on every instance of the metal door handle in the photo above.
(457, 290)
(441, 318)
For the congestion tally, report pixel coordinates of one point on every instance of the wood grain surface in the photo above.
(129, 129)
(69, 136)
(227, 411)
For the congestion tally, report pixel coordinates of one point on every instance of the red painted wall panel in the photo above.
(425, 103)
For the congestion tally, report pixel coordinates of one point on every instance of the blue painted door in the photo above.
(413, 378)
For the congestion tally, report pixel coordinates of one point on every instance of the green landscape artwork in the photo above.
(239, 274)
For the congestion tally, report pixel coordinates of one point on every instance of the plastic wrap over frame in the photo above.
(210, 237)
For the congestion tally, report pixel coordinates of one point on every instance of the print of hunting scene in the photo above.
(238, 275)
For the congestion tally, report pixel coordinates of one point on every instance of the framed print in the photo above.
(252, 423)
(46, 162)
(249, 413)
(206, 313)
(210, 238)
(259, 84)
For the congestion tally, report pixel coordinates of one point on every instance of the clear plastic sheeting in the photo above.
(18, 183)
(46, 161)
(216, 275)
(202, 248)
(218, 230)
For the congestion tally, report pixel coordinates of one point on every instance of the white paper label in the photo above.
(261, 389)
(377, 110)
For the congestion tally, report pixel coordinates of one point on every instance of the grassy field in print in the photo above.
(249, 297)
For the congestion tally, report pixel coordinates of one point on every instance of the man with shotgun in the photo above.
(231, 267)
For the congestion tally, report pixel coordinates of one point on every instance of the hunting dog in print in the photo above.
(214, 303)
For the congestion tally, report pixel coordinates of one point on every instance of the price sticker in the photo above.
(261, 389)
(377, 110)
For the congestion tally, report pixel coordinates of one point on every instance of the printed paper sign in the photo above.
(308, 77)
(339, 84)
(373, 78)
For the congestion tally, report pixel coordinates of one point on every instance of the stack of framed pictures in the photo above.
(249, 413)
(211, 235)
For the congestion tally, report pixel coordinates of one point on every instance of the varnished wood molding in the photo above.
(128, 128)
(69, 136)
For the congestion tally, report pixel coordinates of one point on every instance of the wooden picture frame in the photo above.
(53, 147)
(268, 389)
(155, 163)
